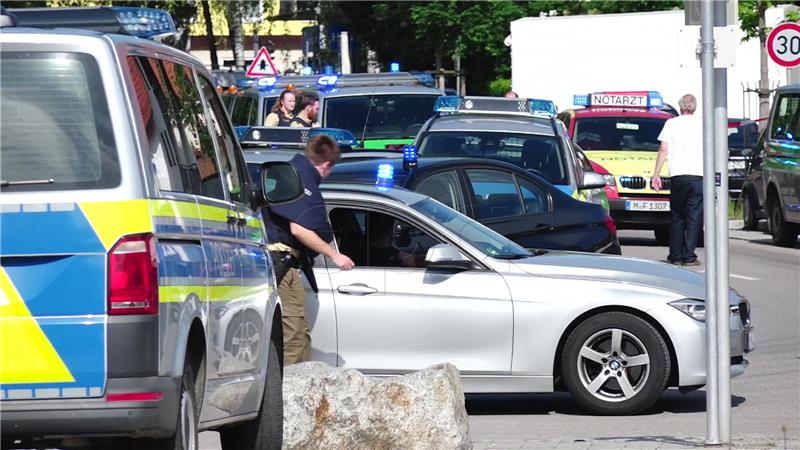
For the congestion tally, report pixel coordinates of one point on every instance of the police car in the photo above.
(138, 303)
(383, 110)
(619, 131)
(431, 284)
(520, 131)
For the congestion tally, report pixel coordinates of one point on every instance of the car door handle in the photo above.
(233, 220)
(543, 227)
(356, 289)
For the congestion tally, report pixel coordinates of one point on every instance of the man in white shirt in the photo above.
(682, 145)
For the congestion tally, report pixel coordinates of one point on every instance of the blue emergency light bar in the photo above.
(266, 82)
(327, 81)
(394, 67)
(410, 157)
(495, 105)
(385, 176)
(633, 99)
(292, 136)
(343, 138)
(144, 22)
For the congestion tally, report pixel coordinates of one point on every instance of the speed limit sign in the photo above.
(783, 44)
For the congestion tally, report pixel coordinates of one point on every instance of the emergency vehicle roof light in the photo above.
(447, 103)
(144, 22)
(394, 67)
(327, 81)
(385, 176)
(409, 157)
(343, 138)
(543, 107)
(266, 82)
(627, 99)
(245, 83)
(654, 100)
(580, 100)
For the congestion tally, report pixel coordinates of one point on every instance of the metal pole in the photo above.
(721, 243)
(344, 46)
(707, 63)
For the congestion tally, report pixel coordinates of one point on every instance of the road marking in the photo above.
(733, 275)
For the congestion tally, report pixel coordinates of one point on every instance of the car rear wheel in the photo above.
(265, 432)
(615, 363)
(186, 431)
(784, 233)
(749, 212)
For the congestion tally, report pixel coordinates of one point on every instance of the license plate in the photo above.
(646, 205)
(734, 165)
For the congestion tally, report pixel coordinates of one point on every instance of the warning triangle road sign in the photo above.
(262, 65)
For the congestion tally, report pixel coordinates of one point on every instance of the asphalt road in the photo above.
(766, 399)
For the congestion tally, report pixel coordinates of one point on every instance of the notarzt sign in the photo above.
(633, 100)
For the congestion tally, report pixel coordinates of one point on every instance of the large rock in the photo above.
(330, 408)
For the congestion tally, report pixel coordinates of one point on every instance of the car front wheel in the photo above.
(615, 363)
(784, 233)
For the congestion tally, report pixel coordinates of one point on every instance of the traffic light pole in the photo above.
(709, 220)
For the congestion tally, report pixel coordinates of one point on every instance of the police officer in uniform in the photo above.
(309, 108)
(283, 111)
(298, 231)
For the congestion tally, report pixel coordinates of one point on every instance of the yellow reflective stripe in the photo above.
(26, 355)
(215, 213)
(178, 294)
(251, 292)
(112, 220)
(173, 208)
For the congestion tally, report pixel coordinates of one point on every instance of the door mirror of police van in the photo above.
(593, 180)
(280, 182)
(445, 256)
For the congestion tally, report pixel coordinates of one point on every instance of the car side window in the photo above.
(222, 133)
(376, 239)
(495, 194)
(786, 122)
(181, 151)
(564, 117)
(445, 188)
(533, 197)
(240, 115)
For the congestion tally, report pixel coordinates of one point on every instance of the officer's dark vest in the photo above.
(302, 122)
(283, 120)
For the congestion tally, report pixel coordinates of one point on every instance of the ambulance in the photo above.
(618, 131)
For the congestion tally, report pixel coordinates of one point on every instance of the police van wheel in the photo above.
(186, 434)
(784, 233)
(265, 432)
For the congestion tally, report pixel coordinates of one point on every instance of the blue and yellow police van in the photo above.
(619, 132)
(137, 304)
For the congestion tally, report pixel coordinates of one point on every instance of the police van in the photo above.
(383, 110)
(619, 131)
(138, 305)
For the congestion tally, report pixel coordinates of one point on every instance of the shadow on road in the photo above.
(671, 401)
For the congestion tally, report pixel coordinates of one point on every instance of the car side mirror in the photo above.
(592, 180)
(280, 182)
(747, 152)
(445, 256)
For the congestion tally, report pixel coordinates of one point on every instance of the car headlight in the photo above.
(696, 309)
(610, 180)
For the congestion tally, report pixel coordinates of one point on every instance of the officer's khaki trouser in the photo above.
(296, 335)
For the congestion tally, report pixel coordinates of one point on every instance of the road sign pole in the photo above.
(707, 63)
(721, 243)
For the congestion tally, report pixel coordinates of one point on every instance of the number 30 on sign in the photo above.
(783, 44)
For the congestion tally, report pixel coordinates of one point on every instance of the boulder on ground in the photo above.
(330, 408)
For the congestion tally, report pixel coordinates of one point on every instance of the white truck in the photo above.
(558, 57)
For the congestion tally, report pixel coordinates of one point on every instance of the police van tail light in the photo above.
(133, 276)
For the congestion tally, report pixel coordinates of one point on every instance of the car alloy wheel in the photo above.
(613, 365)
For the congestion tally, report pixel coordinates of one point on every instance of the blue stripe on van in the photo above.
(29, 230)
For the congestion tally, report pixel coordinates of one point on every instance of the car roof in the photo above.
(260, 155)
(492, 122)
(789, 88)
(341, 190)
(381, 90)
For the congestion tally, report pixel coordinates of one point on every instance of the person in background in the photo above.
(511, 94)
(682, 144)
(283, 111)
(309, 107)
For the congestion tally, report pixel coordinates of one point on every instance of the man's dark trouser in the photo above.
(686, 211)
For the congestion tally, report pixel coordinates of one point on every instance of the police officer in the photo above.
(283, 111)
(298, 231)
(309, 108)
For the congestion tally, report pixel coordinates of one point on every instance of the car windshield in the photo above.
(743, 135)
(618, 133)
(537, 153)
(56, 128)
(469, 231)
(379, 116)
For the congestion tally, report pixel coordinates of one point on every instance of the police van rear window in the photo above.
(56, 130)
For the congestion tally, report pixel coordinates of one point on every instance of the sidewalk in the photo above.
(642, 442)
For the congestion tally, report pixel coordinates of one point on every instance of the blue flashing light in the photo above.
(245, 83)
(144, 22)
(307, 70)
(394, 67)
(267, 82)
(539, 105)
(327, 81)
(328, 70)
(654, 99)
(241, 131)
(424, 79)
(409, 157)
(343, 138)
(580, 100)
(385, 176)
(447, 103)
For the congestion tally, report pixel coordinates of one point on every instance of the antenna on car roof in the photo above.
(369, 108)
